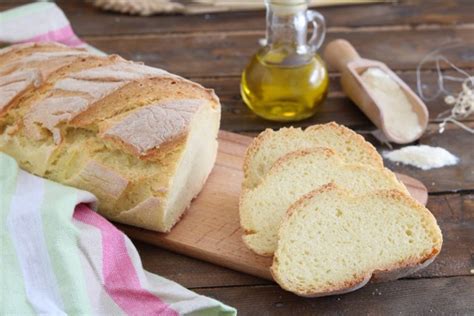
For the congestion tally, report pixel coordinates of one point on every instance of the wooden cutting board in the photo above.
(210, 229)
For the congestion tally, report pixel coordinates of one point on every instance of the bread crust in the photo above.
(16, 51)
(69, 111)
(257, 143)
(392, 272)
(282, 161)
(353, 136)
(12, 55)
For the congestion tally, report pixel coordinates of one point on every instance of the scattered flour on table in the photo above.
(399, 117)
(422, 156)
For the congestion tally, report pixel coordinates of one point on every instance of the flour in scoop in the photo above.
(400, 119)
(422, 156)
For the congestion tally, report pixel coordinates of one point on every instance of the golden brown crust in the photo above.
(13, 102)
(396, 272)
(342, 288)
(12, 55)
(169, 85)
(13, 52)
(282, 161)
(34, 95)
(357, 138)
(253, 147)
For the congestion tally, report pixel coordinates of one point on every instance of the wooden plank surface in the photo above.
(90, 21)
(213, 48)
(448, 179)
(226, 54)
(441, 296)
(237, 117)
(228, 90)
(210, 230)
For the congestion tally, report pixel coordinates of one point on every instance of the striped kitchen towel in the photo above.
(38, 22)
(57, 255)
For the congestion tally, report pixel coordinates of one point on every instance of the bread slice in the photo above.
(270, 145)
(291, 177)
(332, 242)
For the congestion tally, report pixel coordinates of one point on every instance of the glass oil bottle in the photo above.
(286, 80)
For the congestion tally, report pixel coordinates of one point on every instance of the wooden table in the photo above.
(212, 49)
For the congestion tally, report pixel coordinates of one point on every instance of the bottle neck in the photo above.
(287, 25)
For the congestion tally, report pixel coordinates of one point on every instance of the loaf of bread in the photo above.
(271, 145)
(294, 175)
(139, 138)
(333, 242)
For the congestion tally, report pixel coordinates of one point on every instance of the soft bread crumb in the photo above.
(333, 242)
(263, 207)
(271, 145)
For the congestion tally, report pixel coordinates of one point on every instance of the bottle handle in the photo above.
(319, 29)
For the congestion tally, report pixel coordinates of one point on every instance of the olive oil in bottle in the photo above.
(286, 80)
(284, 93)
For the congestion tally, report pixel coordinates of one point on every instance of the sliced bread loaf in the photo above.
(331, 242)
(292, 176)
(270, 145)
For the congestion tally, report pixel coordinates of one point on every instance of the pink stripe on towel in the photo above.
(120, 278)
(64, 35)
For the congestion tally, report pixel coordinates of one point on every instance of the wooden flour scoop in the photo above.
(341, 55)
